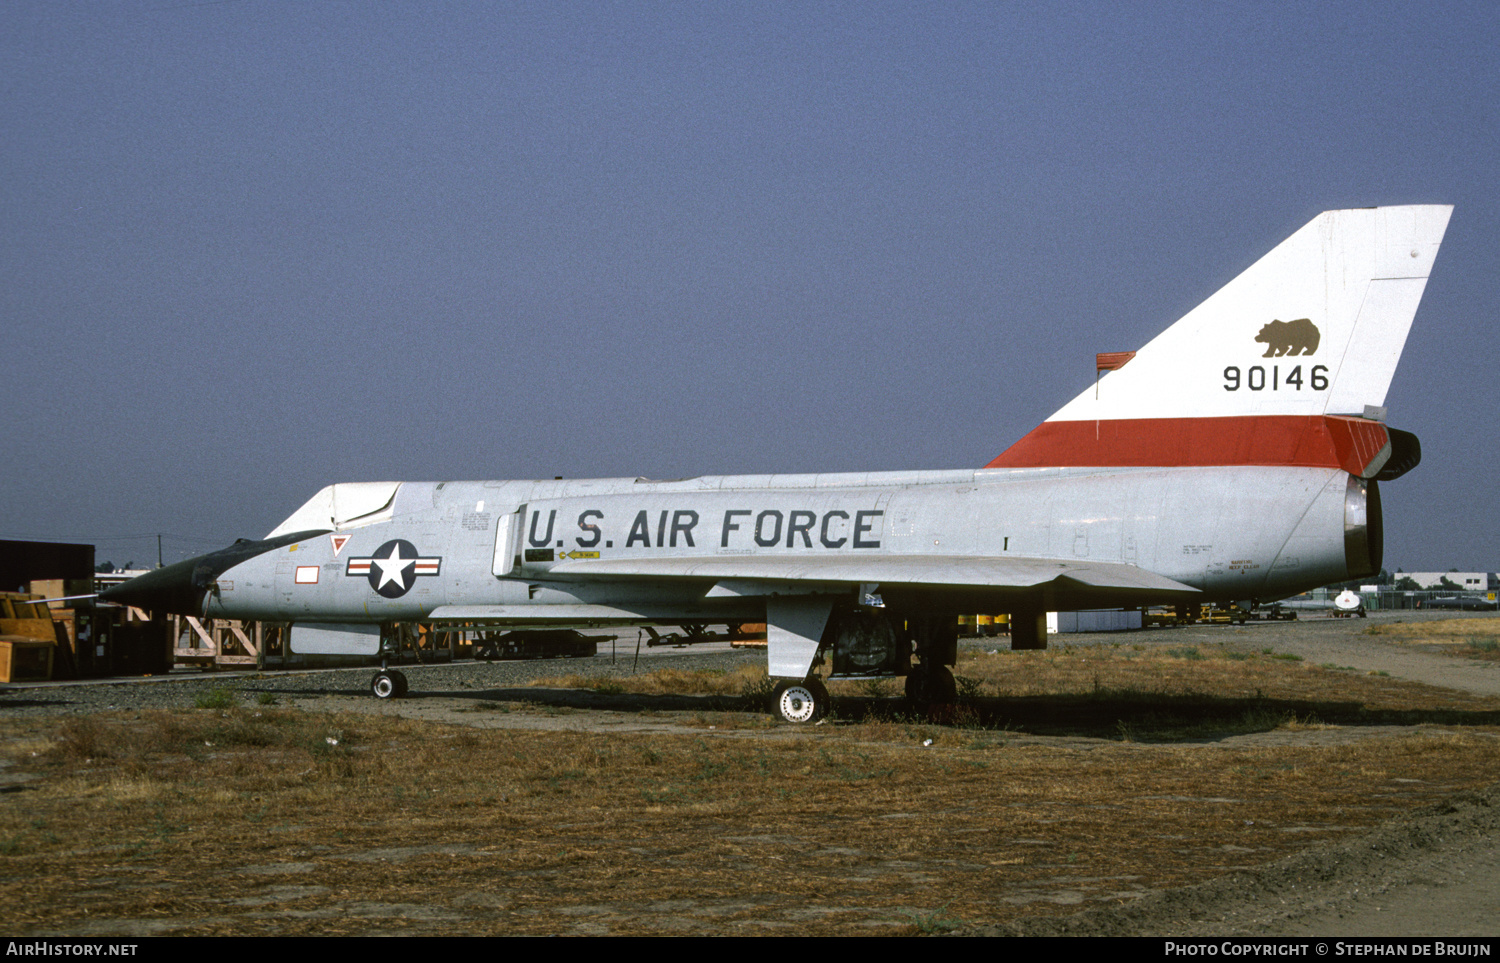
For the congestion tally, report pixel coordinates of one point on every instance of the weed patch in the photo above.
(215, 698)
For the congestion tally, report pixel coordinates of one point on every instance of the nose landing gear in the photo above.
(388, 684)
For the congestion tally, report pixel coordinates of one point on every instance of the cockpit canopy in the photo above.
(342, 506)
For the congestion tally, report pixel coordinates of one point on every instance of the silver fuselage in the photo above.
(1233, 533)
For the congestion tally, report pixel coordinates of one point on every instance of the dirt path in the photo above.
(1344, 642)
(1435, 873)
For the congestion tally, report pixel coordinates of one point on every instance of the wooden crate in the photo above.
(25, 660)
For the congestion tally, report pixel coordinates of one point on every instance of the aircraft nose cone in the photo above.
(178, 588)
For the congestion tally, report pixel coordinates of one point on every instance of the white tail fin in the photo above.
(1250, 376)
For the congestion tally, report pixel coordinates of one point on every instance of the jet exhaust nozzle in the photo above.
(1364, 534)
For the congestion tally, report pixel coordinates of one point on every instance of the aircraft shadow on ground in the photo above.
(1174, 718)
(553, 698)
(35, 703)
(1138, 717)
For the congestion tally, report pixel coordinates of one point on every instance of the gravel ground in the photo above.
(183, 687)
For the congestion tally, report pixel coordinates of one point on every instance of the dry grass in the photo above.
(1135, 692)
(1475, 638)
(279, 821)
(1438, 629)
(663, 682)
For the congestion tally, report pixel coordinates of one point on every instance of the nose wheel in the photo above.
(801, 702)
(388, 684)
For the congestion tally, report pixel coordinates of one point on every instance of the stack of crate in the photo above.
(28, 638)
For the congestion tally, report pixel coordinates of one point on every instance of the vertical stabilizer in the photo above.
(1284, 365)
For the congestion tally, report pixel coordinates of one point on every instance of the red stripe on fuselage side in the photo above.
(1303, 441)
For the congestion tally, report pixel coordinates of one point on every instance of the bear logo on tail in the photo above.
(1283, 338)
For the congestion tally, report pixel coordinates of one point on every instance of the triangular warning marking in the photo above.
(339, 541)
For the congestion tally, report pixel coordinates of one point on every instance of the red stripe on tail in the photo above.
(1303, 441)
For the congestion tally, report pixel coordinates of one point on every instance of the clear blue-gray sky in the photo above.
(251, 247)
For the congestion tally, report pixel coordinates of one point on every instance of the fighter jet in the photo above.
(1235, 457)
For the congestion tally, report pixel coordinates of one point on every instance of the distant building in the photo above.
(1466, 581)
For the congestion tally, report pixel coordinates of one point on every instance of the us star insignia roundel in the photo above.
(394, 568)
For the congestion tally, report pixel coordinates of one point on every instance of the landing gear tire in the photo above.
(388, 684)
(942, 688)
(800, 702)
(931, 686)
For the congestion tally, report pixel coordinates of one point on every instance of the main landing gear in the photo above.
(930, 684)
(806, 701)
(388, 684)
